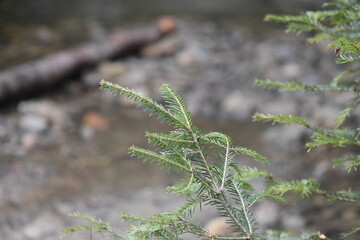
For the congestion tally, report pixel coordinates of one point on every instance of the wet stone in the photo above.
(286, 138)
(111, 70)
(267, 214)
(44, 225)
(239, 105)
(292, 222)
(33, 123)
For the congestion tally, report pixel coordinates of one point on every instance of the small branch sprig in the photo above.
(210, 179)
(340, 25)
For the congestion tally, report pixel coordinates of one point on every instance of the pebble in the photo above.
(33, 123)
(291, 70)
(135, 77)
(351, 216)
(40, 121)
(111, 70)
(326, 116)
(286, 138)
(91, 78)
(29, 140)
(239, 104)
(279, 106)
(42, 226)
(45, 35)
(165, 47)
(87, 133)
(292, 222)
(45, 109)
(267, 214)
(192, 55)
(95, 121)
(218, 226)
(185, 58)
(321, 169)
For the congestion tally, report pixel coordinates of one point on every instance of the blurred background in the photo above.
(64, 147)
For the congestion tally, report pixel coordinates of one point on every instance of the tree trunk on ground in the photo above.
(19, 81)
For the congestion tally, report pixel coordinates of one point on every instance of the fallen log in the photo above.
(19, 81)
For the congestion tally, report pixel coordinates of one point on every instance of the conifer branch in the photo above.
(168, 140)
(343, 74)
(321, 136)
(307, 186)
(186, 187)
(346, 59)
(346, 196)
(230, 212)
(226, 164)
(96, 225)
(188, 208)
(216, 180)
(304, 187)
(223, 141)
(278, 118)
(140, 152)
(251, 153)
(179, 104)
(142, 101)
(346, 112)
(214, 187)
(244, 208)
(296, 86)
(278, 235)
(203, 233)
(182, 150)
(335, 137)
(351, 162)
(351, 232)
(245, 172)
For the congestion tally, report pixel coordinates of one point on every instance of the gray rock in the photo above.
(29, 140)
(87, 133)
(321, 169)
(239, 104)
(43, 225)
(91, 79)
(45, 35)
(33, 123)
(136, 74)
(279, 106)
(192, 56)
(292, 222)
(291, 70)
(218, 226)
(286, 138)
(111, 70)
(326, 115)
(45, 109)
(267, 214)
(161, 48)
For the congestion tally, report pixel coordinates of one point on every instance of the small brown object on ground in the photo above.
(95, 121)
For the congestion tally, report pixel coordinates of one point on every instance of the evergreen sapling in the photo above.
(214, 178)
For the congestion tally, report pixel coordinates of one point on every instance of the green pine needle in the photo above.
(351, 162)
(278, 118)
(304, 187)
